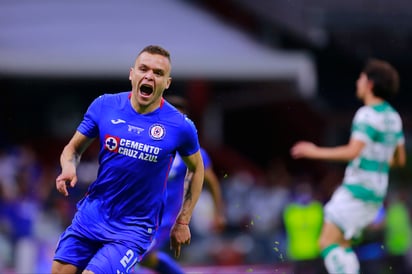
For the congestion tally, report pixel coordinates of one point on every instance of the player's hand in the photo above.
(303, 149)
(179, 235)
(65, 179)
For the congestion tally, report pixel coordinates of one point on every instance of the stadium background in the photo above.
(259, 75)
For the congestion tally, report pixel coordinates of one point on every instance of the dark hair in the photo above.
(384, 76)
(154, 49)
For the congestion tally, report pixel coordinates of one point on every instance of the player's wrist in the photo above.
(181, 223)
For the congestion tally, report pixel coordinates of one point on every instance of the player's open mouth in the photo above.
(146, 89)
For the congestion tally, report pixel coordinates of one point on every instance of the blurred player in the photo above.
(139, 135)
(157, 259)
(376, 144)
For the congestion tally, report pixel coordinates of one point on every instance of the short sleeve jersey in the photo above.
(380, 128)
(135, 157)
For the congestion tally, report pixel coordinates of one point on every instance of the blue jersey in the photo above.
(126, 200)
(175, 192)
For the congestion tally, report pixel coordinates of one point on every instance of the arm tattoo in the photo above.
(188, 194)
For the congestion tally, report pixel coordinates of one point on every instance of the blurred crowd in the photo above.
(33, 214)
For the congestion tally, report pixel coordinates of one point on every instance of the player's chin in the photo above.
(144, 99)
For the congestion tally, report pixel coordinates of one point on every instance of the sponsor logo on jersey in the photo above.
(111, 143)
(157, 132)
(131, 148)
(134, 129)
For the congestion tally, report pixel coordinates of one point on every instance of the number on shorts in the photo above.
(127, 258)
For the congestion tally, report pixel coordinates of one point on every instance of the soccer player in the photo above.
(179, 179)
(139, 135)
(376, 144)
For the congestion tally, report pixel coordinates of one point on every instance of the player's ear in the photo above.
(169, 81)
(130, 73)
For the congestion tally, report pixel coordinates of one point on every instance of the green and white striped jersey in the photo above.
(380, 128)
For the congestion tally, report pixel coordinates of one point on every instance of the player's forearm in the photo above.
(191, 197)
(69, 156)
(399, 158)
(74, 149)
(340, 153)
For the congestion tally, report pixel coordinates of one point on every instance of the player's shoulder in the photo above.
(378, 109)
(364, 108)
(114, 97)
(365, 111)
(172, 114)
(169, 109)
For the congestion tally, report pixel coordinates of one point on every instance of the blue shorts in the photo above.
(99, 257)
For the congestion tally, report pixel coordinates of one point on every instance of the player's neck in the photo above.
(370, 99)
(144, 109)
